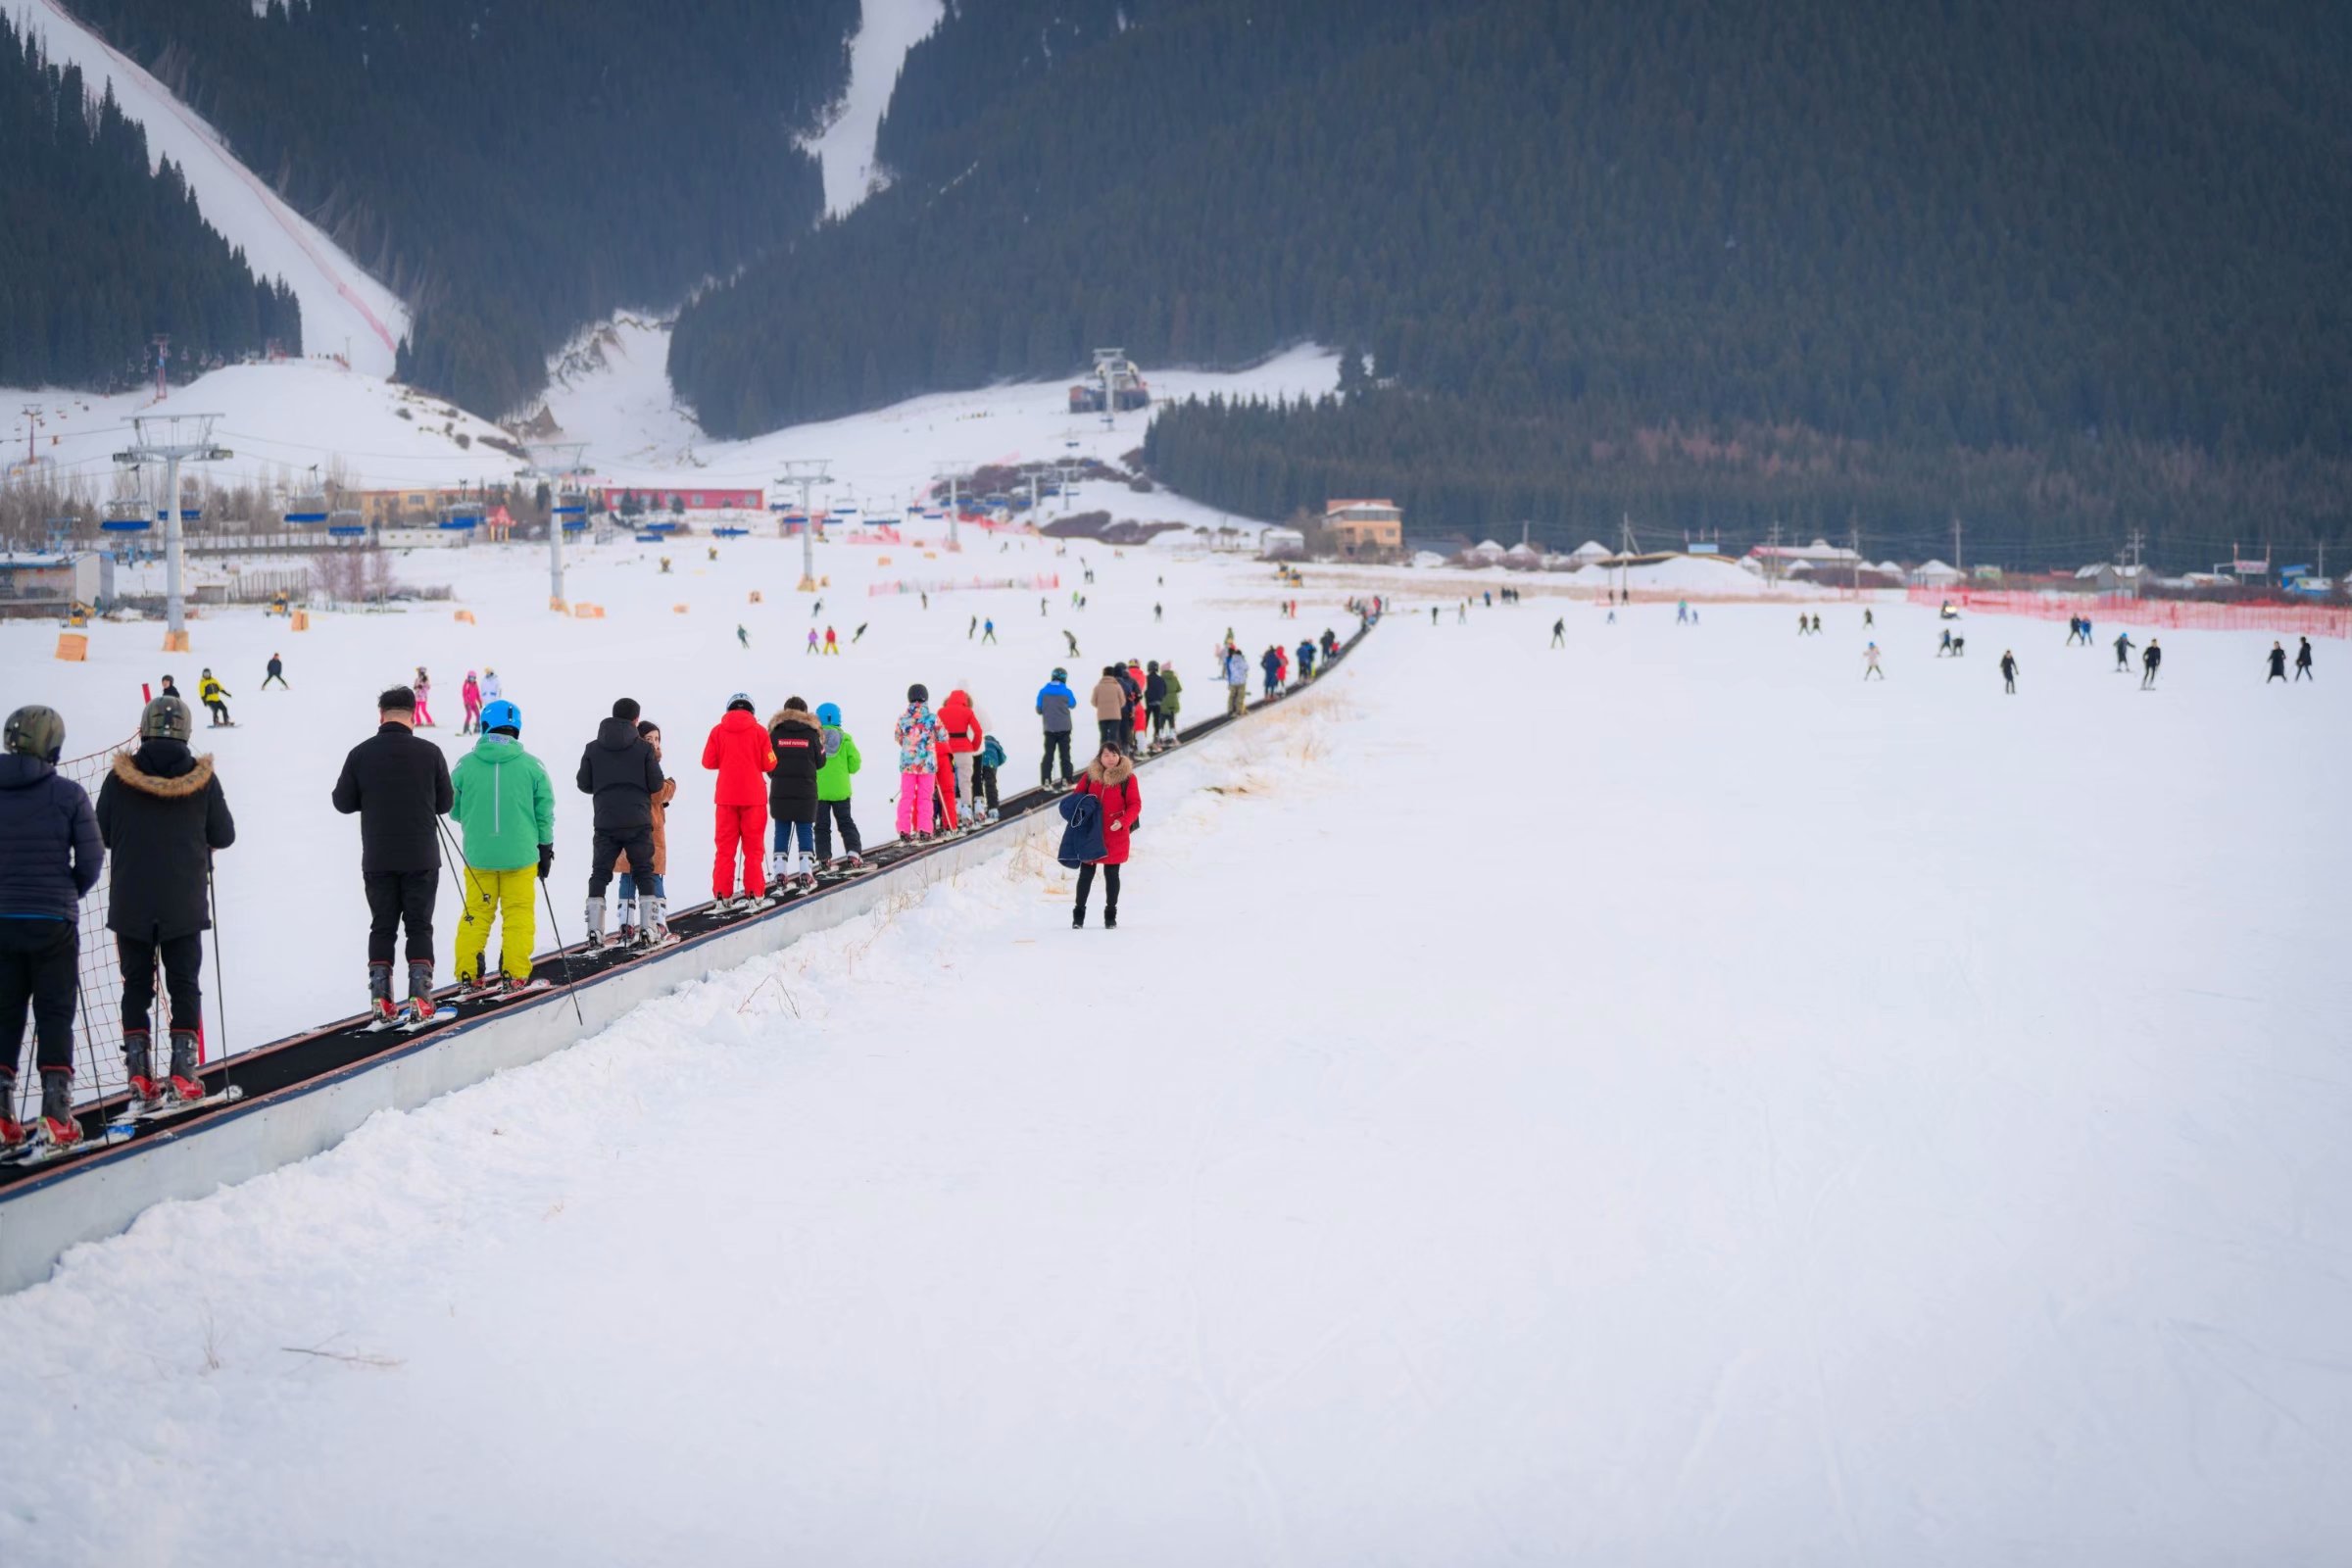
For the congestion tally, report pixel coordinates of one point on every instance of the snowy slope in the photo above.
(1896, 1124)
(344, 311)
(887, 29)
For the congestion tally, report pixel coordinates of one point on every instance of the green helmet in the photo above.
(165, 719)
(36, 731)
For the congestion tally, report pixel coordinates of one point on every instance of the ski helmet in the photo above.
(165, 719)
(918, 693)
(1061, 673)
(830, 714)
(35, 731)
(741, 699)
(503, 714)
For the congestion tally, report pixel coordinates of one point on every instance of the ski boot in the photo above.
(186, 1084)
(627, 911)
(653, 931)
(12, 1131)
(593, 918)
(139, 1068)
(850, 861)
(381, 1007)
(59, 1124)
(420, 1005)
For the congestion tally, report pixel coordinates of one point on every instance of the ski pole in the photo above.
(562, 957)
(220, 975)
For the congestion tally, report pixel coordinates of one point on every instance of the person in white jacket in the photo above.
(1236, 681)
(490, 687)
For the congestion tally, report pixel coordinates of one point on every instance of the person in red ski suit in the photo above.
(737, 750)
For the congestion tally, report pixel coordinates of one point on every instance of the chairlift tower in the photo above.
(173, 439)
(555, 462)
(953, 478)
(1107, 366)
(806, 474)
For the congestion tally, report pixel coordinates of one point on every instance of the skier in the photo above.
(1803, 624)
(2150, 657)
(1110, 779)
(1867, 622)
(833, 792)
(988, 631)
(1236, 681)
(505, 808)
(1307, 660)
(799, 742)
(917, 735)
(1816, 626)
(813, 644)
(1433, 615)
(1271, 663)
(160, 814)
(1461, 614)
(1171, 700)
(1056, 702)
(2303, 661)
(859, 632)
(985, 764)
(2278, 657)
(470, 696)
(743, 639)
(832, 642)
(737, 750)
(1109, 699)
(50, 855)
(398, 783)
(1559, 632)
(276, 673)
(973, 627)
(960, 723)
(490, 688)
(1156, 615)
(1944, 649)
(620, 773)
(1682, 610)
(2009, 672)
(424, 699)
(1870, 664)
(2087, 631)
(215, 697)
(643, 902)
(2074, 629)
(2123, 652)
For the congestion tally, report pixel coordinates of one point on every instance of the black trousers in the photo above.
(1111, 886)
(219, 712)
(829, 812)
(396, 899)
(39, 966)
(610, 845)
(1115, 733)
(984, 785)
(184, 956)
(1057, 743)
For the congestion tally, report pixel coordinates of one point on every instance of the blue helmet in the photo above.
(830, 714)
(503, 714)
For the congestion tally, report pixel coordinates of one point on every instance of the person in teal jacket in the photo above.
(833, 789)
(506, 814)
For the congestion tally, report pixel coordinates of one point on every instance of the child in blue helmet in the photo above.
(833, 791)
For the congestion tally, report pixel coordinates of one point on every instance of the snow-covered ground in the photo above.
(1659, 1101)
(886, 30)
(344, 311)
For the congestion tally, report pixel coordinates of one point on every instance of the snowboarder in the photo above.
(742, 638)
(424, 699)
(1559, 632)
(1055, 703)
(470, 696)
(1237, 679)
(642, 903)
(1110, 779)
(2303, 661)
(276, 673)
(2149, 659)
(398, 784)
(1109, 699)
(1870, 664)
(2123, 652)
(215, 698)
(2277, 658)
(833, 792)
(737, 750)
(917, 735)
(620, 773)
(799, 742)
(859, 632)
(2009, 672)
(160, 814)
(504, 806)
(50, 855)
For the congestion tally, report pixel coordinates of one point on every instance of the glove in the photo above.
(546, 858)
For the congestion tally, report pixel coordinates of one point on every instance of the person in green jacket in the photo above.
(833, 791)
(506, 811)
(1171, 700)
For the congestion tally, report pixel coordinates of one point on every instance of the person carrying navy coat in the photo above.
(50, 856)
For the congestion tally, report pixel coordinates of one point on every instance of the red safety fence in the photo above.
(2277, 617)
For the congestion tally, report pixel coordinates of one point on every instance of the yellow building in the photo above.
(1364, 530)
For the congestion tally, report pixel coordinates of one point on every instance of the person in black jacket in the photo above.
(49, 858)
(397, 782)
(620, 770)
(799, 742)
(161, 813)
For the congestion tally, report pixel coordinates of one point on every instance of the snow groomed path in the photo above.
(304, 1093)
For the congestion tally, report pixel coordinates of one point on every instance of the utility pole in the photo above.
(163, 366)
(806, 474)
(557, 462)
(1855, 543)
(954, 481)
(172, 439)
(1625, 552)
(1771, 558)
(1958, 565)
(32, 415)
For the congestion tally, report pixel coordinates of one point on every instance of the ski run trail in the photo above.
(1659, 1101)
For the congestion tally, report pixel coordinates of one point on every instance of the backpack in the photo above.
(992, 753)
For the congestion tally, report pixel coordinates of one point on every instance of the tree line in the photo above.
(98, 251)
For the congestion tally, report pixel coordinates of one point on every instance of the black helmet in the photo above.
(36, 731)
(165, 719)
(918, 693)
(1061, 673)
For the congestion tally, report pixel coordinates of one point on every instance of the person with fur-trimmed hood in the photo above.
(1110, 779)
(160, 814)
(799, 742)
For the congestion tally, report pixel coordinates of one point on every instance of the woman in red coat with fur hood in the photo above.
(1110, 779)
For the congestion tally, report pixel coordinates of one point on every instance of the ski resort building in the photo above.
(1364, 530)
(38, 585)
